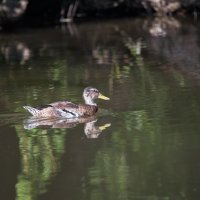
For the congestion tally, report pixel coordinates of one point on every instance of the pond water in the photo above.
(143, 144)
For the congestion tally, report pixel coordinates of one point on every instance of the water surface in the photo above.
(144, 142)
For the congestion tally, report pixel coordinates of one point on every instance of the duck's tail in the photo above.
(33, 111)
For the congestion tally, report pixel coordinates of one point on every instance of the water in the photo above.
(143, 144)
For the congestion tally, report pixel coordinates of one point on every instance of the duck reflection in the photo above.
(42, 145)
(90, 129)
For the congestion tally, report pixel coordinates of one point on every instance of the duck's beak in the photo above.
(101, 96)
(104, 126)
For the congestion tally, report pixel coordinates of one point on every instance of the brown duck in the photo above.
(68, 109)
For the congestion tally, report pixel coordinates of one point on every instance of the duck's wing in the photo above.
(63, 104)
(66, 108)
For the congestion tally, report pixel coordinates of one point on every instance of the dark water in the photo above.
(144, 143)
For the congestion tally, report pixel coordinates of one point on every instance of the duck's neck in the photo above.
(90, 101)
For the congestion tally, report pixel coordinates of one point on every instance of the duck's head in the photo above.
(90, 93)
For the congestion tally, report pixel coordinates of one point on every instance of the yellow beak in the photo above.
(101, 96)
(104, 126)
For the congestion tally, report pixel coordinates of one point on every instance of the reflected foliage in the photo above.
(41, 152)
(42, 148)
(153, 149)
(147, 153)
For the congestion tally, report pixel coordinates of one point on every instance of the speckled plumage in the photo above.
(68, 109)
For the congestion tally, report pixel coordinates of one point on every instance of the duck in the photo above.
(68, 109)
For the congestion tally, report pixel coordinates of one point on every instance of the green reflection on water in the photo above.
(143, 161)
(41, 152)
(153, 147)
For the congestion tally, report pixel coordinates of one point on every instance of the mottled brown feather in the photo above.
(64, 105)
(48, 112)
(87, 110)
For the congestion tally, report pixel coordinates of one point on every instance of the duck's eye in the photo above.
(95, 91)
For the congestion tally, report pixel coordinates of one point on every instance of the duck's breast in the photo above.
(87, 110)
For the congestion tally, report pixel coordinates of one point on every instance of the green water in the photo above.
(145, 141)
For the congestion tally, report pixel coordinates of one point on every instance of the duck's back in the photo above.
(78, 110)
(64, 104)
